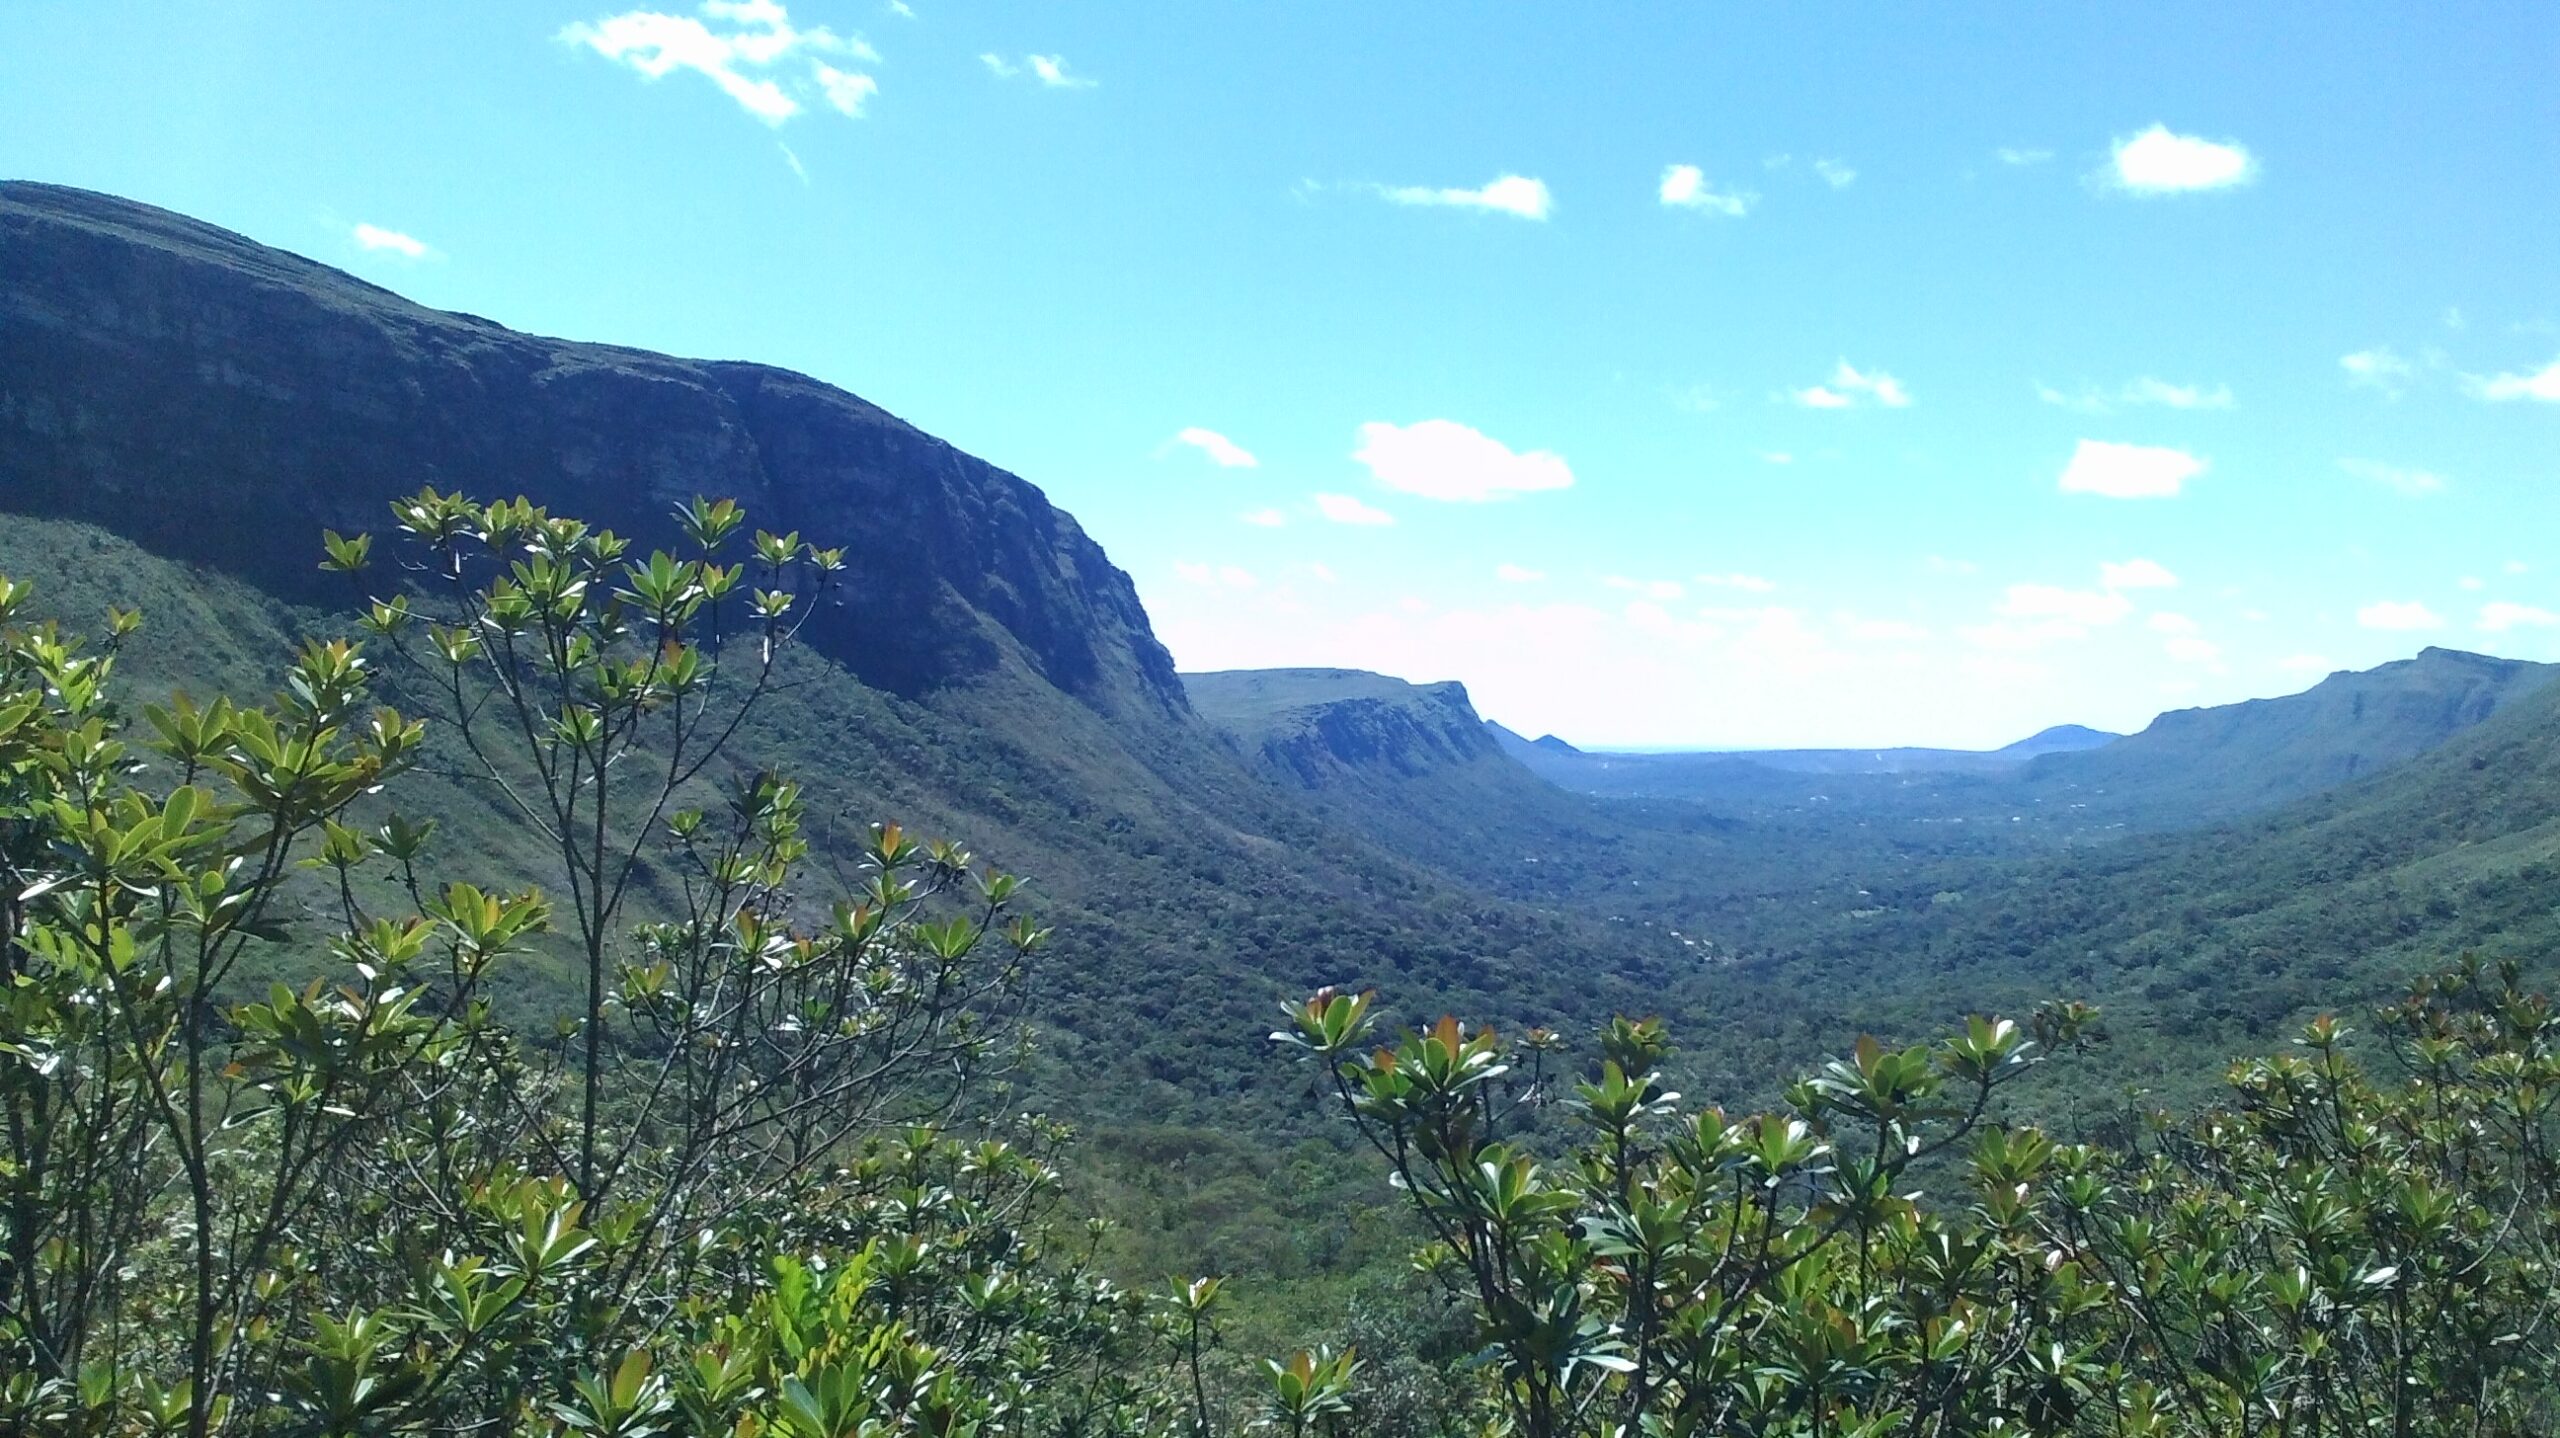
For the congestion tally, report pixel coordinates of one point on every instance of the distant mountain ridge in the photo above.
(2197, 765)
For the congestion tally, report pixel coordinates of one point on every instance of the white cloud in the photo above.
(2472, 583)
(2411, 482)
(1849, 387)
(1509, 195)
(2158, 162)
(376, 238)
(844, 89)
(2500, 615)
(1344, 509)
(1264, 518)
(2144, 391)
(2166, 622)
(2398, 615)
(1234, 577)
(2516, 566)
(1835, 174)
(1515, 574)
(742, 46)
(2128, 471)
(1442, 459)
(1052, 71)
(793, 161)
(1940, 564)
(1194, 573)
(1049, 70)
(2069, 606)
(1777, 456)
(1748, 583)
(2306, 663)
(2542, 384)
(1322, 570)
(1222, 451)
(901, 9)
(2136, 574)
(2018, 155)
(2378, 368)
(1684, 187)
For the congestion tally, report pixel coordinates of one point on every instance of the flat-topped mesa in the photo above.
(220, 401)
(1320, 726)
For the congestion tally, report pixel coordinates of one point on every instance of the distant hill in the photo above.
(2206, 942)
(2192, 766)
(2188, 768)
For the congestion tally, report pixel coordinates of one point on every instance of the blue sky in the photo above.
(1710, 375)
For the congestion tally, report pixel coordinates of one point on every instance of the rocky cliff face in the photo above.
(1319, 726)
(223, 402)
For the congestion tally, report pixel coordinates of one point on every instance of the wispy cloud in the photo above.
(381, 241)
(1507, 195)
(1517, 574)
(1345, 509)
(1048, 70)
(2021, 155)
(1850, 387)
(2542, 384)
(2411, 482)
(2137, 574)
(1222, 451)
(2089, 399)
(2499, 615)
(1442, 459)
(1835, 174)
(1685, 187)
(2398, 615)
(2129, 471)
(2378, 368)
(2158, 161)
(748, 48)
(1264, 518)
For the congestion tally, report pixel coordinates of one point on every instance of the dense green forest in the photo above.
(759, 1179)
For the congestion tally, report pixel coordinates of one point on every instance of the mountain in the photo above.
(2069, 784)
(221, 402)
(2060, 739)
(2195, 765)
(1713, 773)
(2210, 941)
(1317, 725)
(182, 411)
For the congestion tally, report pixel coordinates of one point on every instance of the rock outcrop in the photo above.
(220, 401)
(1318, 726)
